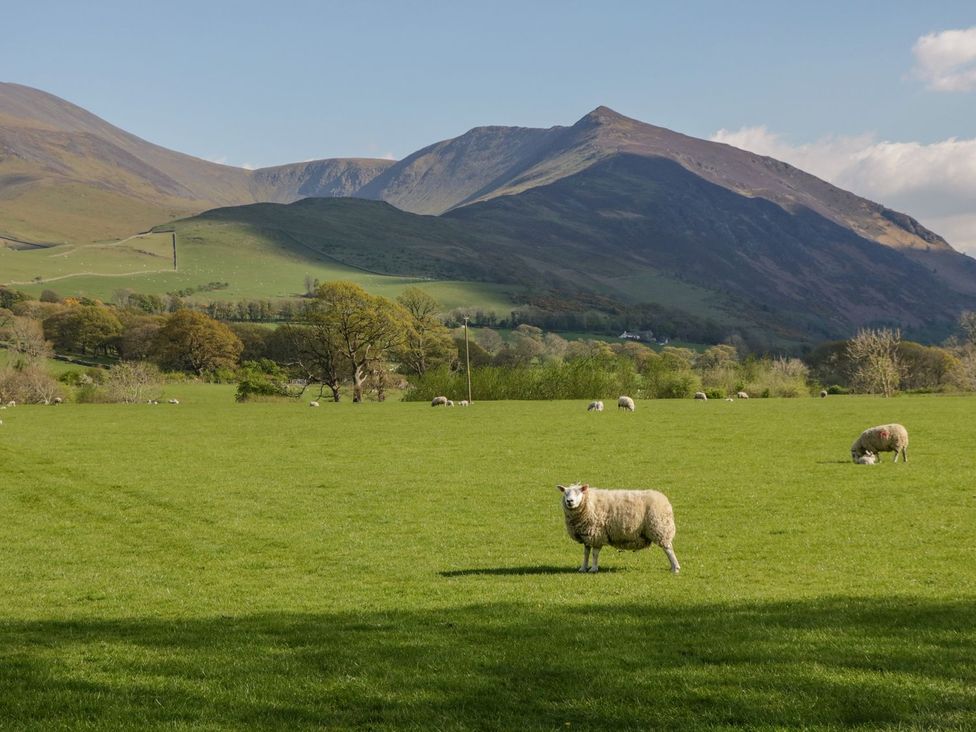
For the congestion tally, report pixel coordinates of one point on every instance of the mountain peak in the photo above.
(603, 115)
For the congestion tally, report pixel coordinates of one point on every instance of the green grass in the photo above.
(252, 267)
(219, 566)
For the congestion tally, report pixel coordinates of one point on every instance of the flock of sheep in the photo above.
(637, 519)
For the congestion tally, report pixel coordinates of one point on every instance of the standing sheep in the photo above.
(823, 393)
(623, 519)
(883, 438)
(463, 403)
(625, 402)
(701, 395)
(742, 395)
(439, 401)
(595, 407)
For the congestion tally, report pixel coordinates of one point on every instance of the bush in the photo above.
(131, 382)
(260, 378)
(715, 393)
(28, 384)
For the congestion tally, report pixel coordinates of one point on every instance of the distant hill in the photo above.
(69, 176)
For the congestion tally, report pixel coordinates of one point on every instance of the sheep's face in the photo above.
(573, 495)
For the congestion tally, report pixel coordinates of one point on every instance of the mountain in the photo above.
(627, 231)
(67, 175)
(608, 210)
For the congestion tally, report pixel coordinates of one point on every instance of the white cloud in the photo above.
(935, 183)
(946, 61)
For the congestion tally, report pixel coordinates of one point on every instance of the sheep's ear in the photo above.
(562, 488)
(584, 486)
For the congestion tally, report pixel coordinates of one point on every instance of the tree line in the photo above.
(344, 338)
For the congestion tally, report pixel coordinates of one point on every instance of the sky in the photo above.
(877, 97)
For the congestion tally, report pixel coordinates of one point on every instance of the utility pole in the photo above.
(467, 357)
(174, 252)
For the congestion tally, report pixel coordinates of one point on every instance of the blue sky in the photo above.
(261, 83)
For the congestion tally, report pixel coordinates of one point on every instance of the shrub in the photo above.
(260, 378)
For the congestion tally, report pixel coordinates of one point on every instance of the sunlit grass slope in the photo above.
(216, 565)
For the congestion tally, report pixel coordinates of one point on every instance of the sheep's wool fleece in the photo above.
(624, 519)
(883, 438)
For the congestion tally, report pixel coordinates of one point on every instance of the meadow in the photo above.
(216, 565)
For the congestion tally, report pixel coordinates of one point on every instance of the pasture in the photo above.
(217, 565)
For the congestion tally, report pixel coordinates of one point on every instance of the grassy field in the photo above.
(251, 267)
(215, 565)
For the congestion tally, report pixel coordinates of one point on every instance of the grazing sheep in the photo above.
(313, 404)
(450, 403)
(174, 401)
(868, 458)
(742, 395)
(58, 400)
(883, 438)
(596, 407)
(463, 403)
(625, 402)
(823, 393)
(623, 519)
(439, 401)
(701, 395)
(11, 403)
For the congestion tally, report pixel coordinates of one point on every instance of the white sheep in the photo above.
(596, 407)
(11, 403)
(58, 400)
(868, 458)
(823, 393)
(450, 403)
(701, 395)
(742, 395)
(174, 401)
(623, 519)
(313, 404)
(438, 401)
(625, 402)
(463, 403)
(883, 438)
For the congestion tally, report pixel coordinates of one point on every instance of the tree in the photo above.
(132, 382)
(192, 341)
(83, 328)
(427, 342)
(312, 352)
(967, 322)
(366, 327)
(25, 338)
(874, 358)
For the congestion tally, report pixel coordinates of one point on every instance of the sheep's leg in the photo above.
(596, 559)
(675, 567)
(586, 559)
(904, 454)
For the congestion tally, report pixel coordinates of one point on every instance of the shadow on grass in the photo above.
(828, 663)
(518, 571)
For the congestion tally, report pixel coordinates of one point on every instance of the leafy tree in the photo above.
(192, 341)
(427, 342)
(367, 328)
(83, 328)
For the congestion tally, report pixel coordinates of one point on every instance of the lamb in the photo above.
(450, 403)
(11, 403)
(597, 407)
(823, 393)
(174, 401)
(463, 403)
(58, 400)
(625, 402)
(883, 438)
(742, 395)
(701, 395)
(313, 404)
(438, 401)
(624, 519)
(868, 458)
